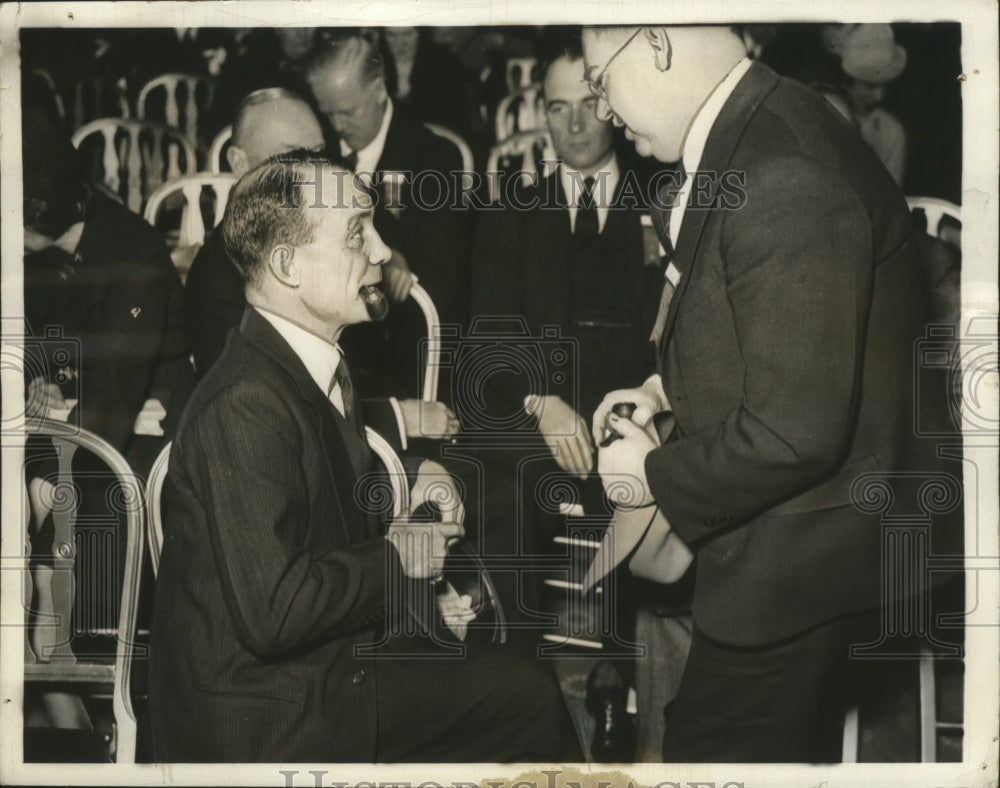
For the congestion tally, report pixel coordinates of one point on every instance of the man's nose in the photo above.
(576, 119)
(379, 253)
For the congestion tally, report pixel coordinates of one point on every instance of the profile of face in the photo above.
(271, 128)
(624, 68)
(337, 273)
(354, 106)
(295, 42)
(579, 138)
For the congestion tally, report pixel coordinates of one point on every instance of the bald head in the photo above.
(270, 122)
(653, 80)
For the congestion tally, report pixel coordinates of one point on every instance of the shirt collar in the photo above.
(606, 181)
(704, 119)
(320, 357)
(369, 155)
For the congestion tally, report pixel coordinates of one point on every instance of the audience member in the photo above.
(871, 59)
(274, 579)
(432, 83)
(267, 58)
(413, 175)
(101, 279)
(575, 260)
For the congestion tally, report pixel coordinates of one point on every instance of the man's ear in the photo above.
(282, 263)
(658, 39)
(237, 159)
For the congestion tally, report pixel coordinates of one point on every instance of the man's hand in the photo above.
(622, 465)
(565, 433)
(428, 419)
(648, 398)
(422, 546)
(397, 279)
(41, 397)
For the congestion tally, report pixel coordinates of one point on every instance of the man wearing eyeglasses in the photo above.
(784, 349)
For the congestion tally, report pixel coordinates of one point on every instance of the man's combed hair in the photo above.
(349, 50)
(266, 208)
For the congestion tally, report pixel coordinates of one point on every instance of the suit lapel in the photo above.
(265, 338)
(720, 146)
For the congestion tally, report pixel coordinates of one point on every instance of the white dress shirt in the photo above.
(605, 183)
(697, 135)
(321, 359)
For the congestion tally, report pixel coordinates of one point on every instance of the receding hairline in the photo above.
(249, 108)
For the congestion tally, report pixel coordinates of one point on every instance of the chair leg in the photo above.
(852, 732)
(928, 708)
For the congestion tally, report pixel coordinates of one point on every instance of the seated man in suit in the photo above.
(412, 171)
(575, 260)
(275, 581)
(270, 121)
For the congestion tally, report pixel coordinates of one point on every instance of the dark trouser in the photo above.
(496, 704)
(778, 703)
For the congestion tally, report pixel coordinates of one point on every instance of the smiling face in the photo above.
(579, 138)
(632, 92)
(338, 270)
(353, 105)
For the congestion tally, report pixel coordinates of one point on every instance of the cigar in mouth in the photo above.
(375, 301)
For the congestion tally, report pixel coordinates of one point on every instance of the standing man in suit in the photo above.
(785, 354)
(274, 577)
(413, 174)
(574, 259)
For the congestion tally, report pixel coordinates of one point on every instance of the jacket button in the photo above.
(359, 677)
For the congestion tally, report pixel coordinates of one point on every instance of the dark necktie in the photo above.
(351, 161)
(586, 214)
(667, 194)
(342, 377)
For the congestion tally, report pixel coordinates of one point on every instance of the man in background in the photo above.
(412, 171)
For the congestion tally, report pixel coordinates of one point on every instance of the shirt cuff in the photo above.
(400, 422)
(655, 382)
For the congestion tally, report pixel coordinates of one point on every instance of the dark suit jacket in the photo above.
(213, 302)
(435, 240)
(521, 266)
(271, 573)
(116, 306)
(788, 360)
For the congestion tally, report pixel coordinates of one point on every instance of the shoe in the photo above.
(607, 697)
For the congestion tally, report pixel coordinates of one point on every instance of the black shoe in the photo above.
(607, 698)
